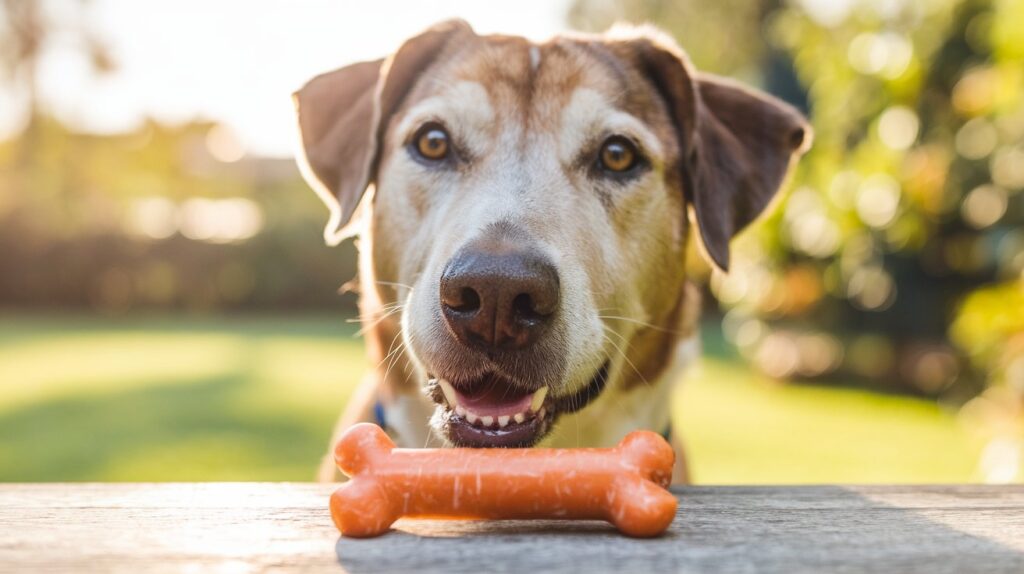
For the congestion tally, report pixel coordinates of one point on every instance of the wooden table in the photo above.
(252, 527)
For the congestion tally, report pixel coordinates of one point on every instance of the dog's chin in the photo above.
(494, 411)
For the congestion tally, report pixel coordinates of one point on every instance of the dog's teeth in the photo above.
(449, 392)
(541, 413)
(487, 421)
(471, 418)
(503, 421)
(520, 417)
(460, 411)
(538, 398)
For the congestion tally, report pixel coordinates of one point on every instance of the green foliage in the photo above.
(909, 198)
(989, 321)
(722, 36)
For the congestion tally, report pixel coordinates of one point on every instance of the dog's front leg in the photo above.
(681, 470)
(359, 409)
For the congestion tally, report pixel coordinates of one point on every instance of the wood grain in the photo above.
(253, 527)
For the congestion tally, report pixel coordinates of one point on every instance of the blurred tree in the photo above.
(989, 324)
(907, 200)
(20, 46)
(722, 36)
(152, 219)
(27, 30)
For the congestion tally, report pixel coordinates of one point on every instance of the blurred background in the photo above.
(168, 310)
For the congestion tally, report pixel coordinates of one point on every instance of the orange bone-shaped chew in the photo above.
(625, 485)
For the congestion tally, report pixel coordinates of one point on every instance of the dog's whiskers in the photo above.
(388, 308)
(621, 352)
(397, 355)
(641, 323)
(388, 311)
(393, 284)
(391, 351)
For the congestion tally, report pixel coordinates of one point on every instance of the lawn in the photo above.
(255, 397)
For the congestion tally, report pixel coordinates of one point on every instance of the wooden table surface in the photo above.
(254, 527)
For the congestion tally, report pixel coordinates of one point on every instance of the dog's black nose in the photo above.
(497, 296)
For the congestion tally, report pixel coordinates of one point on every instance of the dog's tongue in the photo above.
(496, 401)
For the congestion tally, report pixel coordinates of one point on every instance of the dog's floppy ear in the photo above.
(343, 116)
(746, 142)
(736, 144)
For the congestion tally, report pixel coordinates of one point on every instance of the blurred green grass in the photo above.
(255, 398)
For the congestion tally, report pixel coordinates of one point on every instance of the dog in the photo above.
(523, 212)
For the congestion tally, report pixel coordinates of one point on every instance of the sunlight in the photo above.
(183, 60)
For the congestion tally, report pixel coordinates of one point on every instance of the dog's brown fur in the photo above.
(526, 114)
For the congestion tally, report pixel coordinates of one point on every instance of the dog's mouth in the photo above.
(493, 411)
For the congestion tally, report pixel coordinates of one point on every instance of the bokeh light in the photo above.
(878, 200)
(224, 144)
(1008, 168)
(984, 206)
(897, 127)
(977, 138)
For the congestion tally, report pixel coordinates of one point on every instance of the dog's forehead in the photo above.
(535, 82)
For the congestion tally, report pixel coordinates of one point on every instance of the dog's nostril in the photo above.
(524, 308)
(469, 300)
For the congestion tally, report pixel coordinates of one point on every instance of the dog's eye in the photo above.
(431, 142)
(618, 154)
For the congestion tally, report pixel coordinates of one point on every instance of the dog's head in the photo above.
(531, 202)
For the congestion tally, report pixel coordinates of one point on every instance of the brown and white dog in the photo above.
(523, 212)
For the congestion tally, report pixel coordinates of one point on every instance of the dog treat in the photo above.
(624, 485)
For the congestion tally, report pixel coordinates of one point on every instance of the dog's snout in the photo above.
(498, 297)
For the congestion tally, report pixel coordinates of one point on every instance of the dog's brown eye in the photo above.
(432, 142)
(618, 154)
